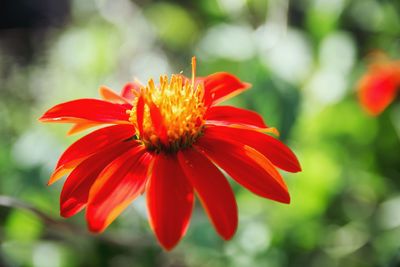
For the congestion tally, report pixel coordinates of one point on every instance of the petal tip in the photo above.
(168, 246)
(58, 173)
(65, 213)
(43, 118)
(51, 181)
(71, 132)
(285, 199)
(246, 85)
(300, 169)
(70, 206)
(95, 228)
(229, 235)
(297, 166)
(103, 88)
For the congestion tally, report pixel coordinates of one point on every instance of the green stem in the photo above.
(63, 227)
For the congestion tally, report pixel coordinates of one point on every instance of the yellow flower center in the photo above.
(170, 116)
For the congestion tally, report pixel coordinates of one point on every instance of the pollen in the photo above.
(169, 116)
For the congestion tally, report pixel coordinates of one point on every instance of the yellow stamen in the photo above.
(181, 108)
(193, 70)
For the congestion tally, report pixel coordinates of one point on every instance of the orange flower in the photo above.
(378, 87)
(166, 140)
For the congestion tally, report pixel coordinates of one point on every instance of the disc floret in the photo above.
(169, 116)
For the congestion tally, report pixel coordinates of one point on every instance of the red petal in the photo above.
(169, 200)
(140, 114)
(247, 166)
(227, 115)
(116, 187)
(87, 109)
(213, 190)
(158, 123)
(90, 144)
(277, 152)
(221, 86)
(108, 94)
(130, 90)
(60, 172)
(377, 89)
(82, 126)
(75, 191)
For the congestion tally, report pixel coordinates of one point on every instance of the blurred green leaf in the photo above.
(22, 226)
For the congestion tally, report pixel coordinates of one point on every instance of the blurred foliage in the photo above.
(303, 59)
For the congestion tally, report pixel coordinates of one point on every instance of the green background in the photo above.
(303, 59)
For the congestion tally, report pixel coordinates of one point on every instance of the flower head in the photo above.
(170, 116)
(378, 87)
(166, 141)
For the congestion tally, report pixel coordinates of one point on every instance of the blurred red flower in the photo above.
(166, 141)
(378, 87)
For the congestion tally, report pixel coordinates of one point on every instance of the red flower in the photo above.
(167, 140)
(378, 87)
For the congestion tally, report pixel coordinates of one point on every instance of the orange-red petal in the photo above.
(110, 95)
(158, 123)
(76, 188)
(213, 190)
(88, 145)
(377, 89)
(221, 86)
(82, 126)
(87, 109)
(116, 187)
(131, 90)
(247, 166)
(169, 200)
(228, 115)
(140, 114)
(276, 151)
